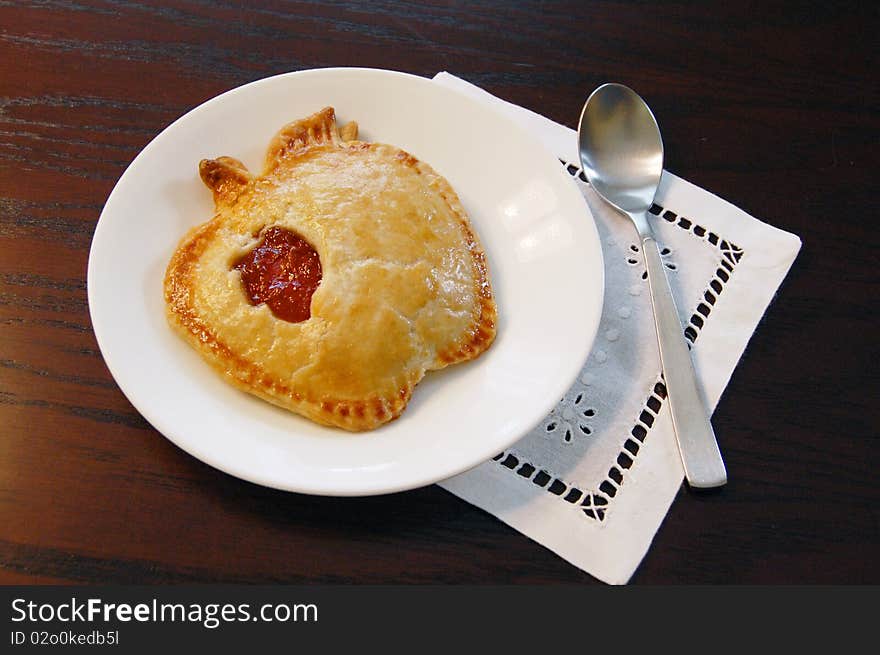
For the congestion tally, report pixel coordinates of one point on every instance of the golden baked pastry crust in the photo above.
(405, 286)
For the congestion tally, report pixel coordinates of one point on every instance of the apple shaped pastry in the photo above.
(333, 281)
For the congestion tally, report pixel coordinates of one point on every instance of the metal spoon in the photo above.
(622, 156)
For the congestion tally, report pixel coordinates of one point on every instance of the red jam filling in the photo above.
(282, 271)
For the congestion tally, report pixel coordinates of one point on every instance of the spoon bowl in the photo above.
(621, 147)
(621, 154)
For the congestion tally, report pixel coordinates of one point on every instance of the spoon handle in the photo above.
(700, 455)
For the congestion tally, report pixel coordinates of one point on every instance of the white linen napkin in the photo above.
(595, 479)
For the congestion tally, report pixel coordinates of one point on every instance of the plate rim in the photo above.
(412, 482)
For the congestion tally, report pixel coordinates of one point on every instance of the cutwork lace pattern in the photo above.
(593, 501)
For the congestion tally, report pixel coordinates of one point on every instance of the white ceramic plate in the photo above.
(544, 255)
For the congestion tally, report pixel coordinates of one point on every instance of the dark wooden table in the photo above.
(773, 106)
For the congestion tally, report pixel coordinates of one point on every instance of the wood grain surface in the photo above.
(773, 106)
